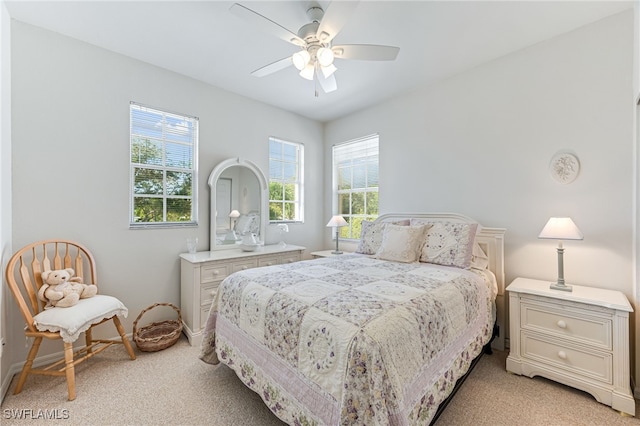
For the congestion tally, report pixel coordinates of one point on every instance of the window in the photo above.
(285, 181)
(163, 168)
(355, 182)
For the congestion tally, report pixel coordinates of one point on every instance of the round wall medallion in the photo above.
(564, 167)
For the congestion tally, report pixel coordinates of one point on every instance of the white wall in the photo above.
(480, 144)
(71, 159)
(5, 183)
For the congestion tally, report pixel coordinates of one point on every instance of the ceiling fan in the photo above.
(315, 58)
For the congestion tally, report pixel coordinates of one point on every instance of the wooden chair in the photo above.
(23, 277)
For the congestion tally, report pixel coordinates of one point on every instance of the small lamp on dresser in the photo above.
(337, 222)
(561, 228)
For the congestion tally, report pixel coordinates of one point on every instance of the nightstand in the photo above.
(325, 253)
(578, 338)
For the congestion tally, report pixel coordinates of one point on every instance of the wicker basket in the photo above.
(157, 335)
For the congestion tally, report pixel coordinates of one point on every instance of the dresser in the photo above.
(578, 338)
(202, 272)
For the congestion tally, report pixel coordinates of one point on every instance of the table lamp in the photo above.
(231, 235)
(560, 228)
(337, 222)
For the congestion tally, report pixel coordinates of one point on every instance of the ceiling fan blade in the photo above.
(334, 19)
(273, 67)
(366, 52)
(265, 24)
(328, 84)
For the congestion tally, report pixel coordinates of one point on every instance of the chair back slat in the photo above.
(24, 271)
(29, 285)
(67, 257)
(78, 266)
(57, 263)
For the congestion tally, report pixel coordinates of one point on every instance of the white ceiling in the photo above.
(203, 40)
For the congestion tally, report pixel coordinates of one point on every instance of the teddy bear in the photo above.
(61, 289)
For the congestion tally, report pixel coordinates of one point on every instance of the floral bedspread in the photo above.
(350, 339)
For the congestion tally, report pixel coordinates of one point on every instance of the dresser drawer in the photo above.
(215, 273)
(290, 257)
(244, 265)
(581, 326)
(582, 361)
(269, 261)
(208, 293)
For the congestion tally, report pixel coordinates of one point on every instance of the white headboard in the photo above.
(491, 240)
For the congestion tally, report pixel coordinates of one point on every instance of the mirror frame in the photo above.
(264, 199)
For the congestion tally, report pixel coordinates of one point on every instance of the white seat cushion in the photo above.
(72, 321)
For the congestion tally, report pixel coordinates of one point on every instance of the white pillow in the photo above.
(401, 243)
(371, 235)
(479, 259)
(448, 243)
(72, 321)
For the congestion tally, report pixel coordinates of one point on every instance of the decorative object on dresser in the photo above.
(578, 338)
(202, 272)
(337, 222)
(560, 228)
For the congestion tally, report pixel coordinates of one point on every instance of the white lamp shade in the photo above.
(337, 221)
(561, 228)
(325, 56)
(307, 72)
(234, 214)
(301, 59)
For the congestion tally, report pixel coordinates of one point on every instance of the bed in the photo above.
(381, 336)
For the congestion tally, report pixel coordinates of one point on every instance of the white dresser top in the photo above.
(594, 296)
(235, 253)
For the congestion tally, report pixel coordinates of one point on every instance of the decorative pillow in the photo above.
(448, 243)
(401, 243)
(479, 259)
(371, 235)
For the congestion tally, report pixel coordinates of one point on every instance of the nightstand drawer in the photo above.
(215, 273)
(567, 322)
(587, 363)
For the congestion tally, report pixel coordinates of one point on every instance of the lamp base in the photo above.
(336, 252)
(563, 287)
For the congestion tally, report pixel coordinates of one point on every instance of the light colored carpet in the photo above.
(173, 387)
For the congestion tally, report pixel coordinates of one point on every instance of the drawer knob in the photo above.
(213, 292)
(244, 267)
(269, 263)
(562, 324)
(216, 272)
(562, 355)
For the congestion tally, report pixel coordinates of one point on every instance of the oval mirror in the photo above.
(239, 203)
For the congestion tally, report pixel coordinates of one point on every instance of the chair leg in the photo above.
(28, 364)
(123, 336)
(70, 370)
(88, 339)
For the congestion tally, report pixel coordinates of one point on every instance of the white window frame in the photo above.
(164, 141)
(345, 156)
(281, 162)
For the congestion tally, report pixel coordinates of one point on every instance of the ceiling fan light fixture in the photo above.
(307, 72)
(325, 56)
(328, 70)
(301, 59)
